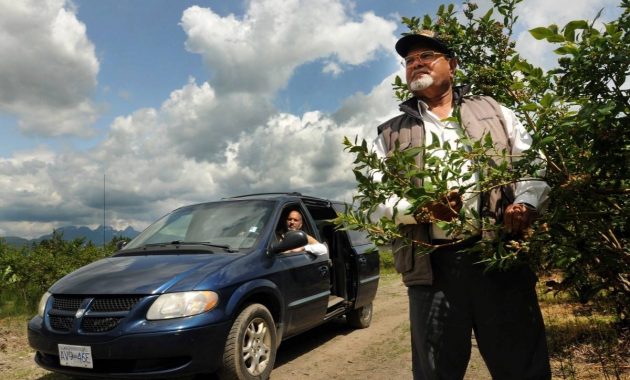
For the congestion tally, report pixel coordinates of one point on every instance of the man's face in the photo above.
(294, 221)
(424, 70)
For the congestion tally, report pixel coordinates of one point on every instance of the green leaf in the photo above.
(567, 50)
(428, 186)
(541, 33)
(550, 34)
(412, 152)
(569, 29)
(487, 141)
(529, 107)
(547, 100)
(556, 38)
(547, 140)
(612, 29)
(441, 224)
(426, 23)
(523, 67)
(488, 15)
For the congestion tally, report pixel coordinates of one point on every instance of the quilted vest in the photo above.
(480, 115)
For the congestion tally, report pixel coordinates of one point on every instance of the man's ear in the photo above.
(452, 62)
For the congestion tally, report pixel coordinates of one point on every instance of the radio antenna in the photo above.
(103, 211)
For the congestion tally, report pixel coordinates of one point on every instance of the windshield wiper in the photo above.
(205, 243)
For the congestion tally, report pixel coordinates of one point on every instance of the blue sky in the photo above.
(177, 102)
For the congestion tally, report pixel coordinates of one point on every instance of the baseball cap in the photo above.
(423, 37)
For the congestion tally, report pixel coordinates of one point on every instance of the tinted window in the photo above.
(236, 224)
(358, 238)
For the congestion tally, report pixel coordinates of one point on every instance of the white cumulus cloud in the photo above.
(259, 51)
(48, 68)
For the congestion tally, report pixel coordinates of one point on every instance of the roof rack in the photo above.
(307, 199)
(294, 193)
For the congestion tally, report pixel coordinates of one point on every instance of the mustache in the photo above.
(419, 71)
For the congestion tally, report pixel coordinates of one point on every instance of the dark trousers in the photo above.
(500, 307)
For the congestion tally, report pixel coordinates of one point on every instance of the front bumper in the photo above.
(155, 354)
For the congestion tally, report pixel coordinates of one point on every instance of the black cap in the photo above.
(423, 37)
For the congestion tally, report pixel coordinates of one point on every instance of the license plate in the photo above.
(75, 356)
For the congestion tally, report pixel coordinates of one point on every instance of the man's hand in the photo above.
(518, 217)
(446, 210)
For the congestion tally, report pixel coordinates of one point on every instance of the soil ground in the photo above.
(382, 351)
(331, 351)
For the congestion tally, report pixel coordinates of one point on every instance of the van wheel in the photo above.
(250, 349)
(360, 318)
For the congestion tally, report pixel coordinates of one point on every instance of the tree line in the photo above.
(27, 272)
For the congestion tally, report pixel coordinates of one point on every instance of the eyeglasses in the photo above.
(424, 57)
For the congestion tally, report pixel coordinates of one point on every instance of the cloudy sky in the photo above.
(178, 102)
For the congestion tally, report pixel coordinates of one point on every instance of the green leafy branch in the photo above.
(445, 169)
(578, 115)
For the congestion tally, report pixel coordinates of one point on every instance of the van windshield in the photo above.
(234, 224)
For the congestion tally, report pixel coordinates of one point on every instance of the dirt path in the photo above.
(331, 351)
(382, 351)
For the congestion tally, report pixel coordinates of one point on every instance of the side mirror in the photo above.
(120, 244)
(292, 240)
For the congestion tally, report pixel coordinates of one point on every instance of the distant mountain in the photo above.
(16, 241)
(74, 232)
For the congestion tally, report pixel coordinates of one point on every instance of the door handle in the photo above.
(323, 270)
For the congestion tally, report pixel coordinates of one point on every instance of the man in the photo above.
(294, 223)
(450, 294)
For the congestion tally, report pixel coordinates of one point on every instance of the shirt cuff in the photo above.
(387, 210)
(317, 249)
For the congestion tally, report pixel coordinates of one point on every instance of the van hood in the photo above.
(146, 274)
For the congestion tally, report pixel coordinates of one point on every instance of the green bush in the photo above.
(27, 272)
(387, 260)
(578, 115)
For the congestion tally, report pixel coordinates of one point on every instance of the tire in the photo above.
(360, 318)
(250, 348)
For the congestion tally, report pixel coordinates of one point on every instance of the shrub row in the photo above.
(27, 272)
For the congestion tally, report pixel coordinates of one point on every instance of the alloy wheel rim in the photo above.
(256, 348)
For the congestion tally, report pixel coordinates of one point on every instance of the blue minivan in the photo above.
(208, 288)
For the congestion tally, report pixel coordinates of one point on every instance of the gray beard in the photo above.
(420, 84)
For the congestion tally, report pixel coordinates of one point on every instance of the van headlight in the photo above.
(41, 308)
(184, 304)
